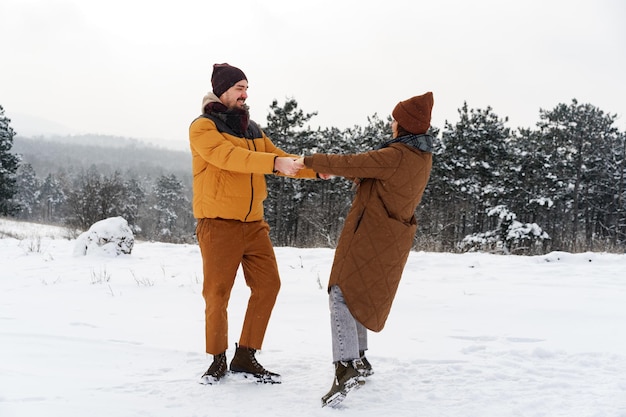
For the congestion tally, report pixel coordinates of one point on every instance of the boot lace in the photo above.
(254, 362)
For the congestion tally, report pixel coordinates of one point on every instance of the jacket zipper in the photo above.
(251, 183)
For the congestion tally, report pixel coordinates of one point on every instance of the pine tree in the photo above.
(134, 199)
(27, 196)
(8, 167)
(578, 140)
(470, 173)
(170, 209)
(285, 128)
(51, 199)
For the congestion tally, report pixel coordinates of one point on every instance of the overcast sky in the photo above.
(140, 68)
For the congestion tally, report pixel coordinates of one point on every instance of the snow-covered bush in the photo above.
(110, 236)
(510, 236)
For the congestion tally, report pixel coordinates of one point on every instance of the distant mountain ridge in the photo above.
(107, 153)
(89, 140)
(28, 126)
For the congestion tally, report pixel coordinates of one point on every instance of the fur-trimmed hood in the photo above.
(209, 97)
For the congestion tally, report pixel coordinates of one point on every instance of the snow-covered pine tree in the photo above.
(27, 196)
(470, 172)
(585, 154)
(52, 198)
(170, 210)
(8, 167)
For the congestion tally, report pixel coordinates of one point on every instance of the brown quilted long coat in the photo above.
(378, 233)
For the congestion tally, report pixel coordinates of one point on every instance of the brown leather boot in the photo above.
(216, 371)
(244, 362)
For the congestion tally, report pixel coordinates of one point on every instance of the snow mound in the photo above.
(111, 237)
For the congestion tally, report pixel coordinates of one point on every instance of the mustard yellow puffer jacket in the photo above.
(229, 172)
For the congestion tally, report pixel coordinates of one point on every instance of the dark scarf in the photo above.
(237, 119)
(421, 142)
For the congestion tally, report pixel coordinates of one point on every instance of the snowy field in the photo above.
(468, 335)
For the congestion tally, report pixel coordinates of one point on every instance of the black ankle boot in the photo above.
(216, 371)
(245, 362)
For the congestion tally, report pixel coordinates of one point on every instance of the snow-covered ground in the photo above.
(468, 335)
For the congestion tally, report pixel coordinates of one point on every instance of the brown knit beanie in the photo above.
(225, 76)
(414, 114)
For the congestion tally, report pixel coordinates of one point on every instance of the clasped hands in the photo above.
(290, 166)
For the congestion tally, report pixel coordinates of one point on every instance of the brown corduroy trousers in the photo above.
(224, 245)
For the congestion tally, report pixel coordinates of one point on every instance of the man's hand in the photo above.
(300, 164)
(286, 165)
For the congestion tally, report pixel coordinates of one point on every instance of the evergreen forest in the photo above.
(558, 186)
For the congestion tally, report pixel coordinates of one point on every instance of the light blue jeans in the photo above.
(348, 335)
